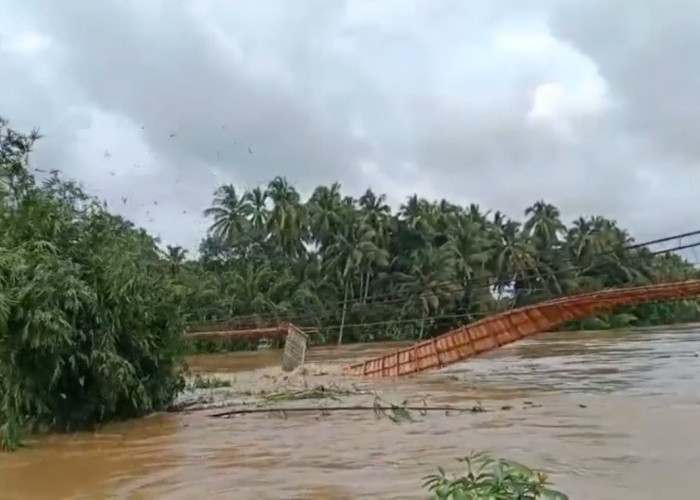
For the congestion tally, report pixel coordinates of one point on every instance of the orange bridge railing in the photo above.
(505, 328)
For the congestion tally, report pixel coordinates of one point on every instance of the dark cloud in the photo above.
(589, 104)
(644, 50)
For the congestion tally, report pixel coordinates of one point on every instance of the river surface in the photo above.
(609, 415)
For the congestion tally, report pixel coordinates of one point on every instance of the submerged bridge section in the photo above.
(505, 328)
(223, 331)
(295, 345)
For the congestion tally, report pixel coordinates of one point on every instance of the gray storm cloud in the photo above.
(588, 104)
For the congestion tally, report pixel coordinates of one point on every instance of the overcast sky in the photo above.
(592, 105)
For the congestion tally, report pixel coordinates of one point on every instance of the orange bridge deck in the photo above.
(505, 328)
(224, 330)
(271, 332)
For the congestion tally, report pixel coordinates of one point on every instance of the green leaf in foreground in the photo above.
(486, 477)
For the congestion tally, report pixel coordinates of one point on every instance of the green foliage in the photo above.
(90, 319)
(353, 271)
(489, 478)
(92, 311)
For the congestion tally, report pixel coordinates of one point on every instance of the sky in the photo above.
(591, 105)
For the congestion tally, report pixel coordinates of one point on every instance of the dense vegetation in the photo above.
(92, 312)
(90, 319)
(358, 272)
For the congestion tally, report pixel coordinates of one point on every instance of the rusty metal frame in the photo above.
(504, 328)
(272, 332)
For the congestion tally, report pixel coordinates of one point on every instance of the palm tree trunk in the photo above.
(362, 284)
(422, 326)
(342, 317)
(367, 280)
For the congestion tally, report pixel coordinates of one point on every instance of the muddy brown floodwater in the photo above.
(610, 415)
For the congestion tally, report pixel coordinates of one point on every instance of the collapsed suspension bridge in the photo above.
(472, 339)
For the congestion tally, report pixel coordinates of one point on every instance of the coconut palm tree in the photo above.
(230, 213)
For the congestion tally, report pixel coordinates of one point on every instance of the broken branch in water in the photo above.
(399, 413)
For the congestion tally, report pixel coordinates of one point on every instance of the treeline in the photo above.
(355, 271)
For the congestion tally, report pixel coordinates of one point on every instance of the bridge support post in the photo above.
(295, 345)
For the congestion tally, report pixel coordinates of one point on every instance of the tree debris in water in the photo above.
(224, 395)
(200, 382)
(316, 392)
(396, 413)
